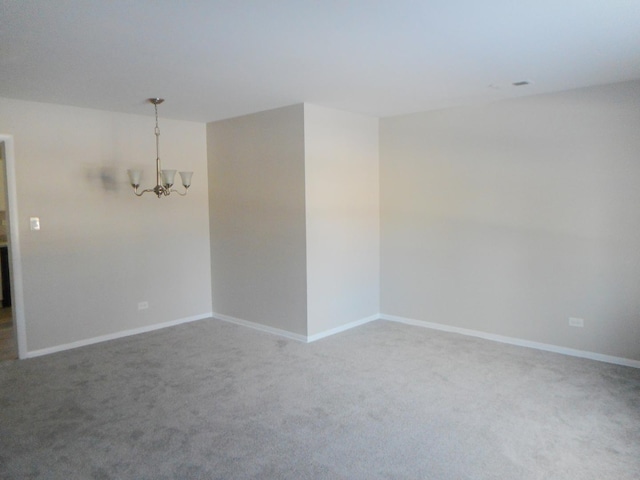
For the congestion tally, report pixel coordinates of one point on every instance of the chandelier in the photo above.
(164, 178)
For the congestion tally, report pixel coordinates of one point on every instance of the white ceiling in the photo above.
(223, 58)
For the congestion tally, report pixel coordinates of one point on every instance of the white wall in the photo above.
(101, 250)
(342, 217)
(257, 209)
(513, 217)
(295, 218)
(3, 192)
(506, 219)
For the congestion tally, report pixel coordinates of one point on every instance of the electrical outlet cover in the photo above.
(576, 322)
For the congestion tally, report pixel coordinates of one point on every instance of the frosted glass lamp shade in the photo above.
(186, 178)
(135, 176)
(167, 177)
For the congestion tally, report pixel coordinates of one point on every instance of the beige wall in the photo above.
(513, 217)
(506, 219)
(3, 192)
(101, 250)
(257, 210)
(295, 218)
(342, 208)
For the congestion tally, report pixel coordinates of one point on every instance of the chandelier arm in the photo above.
(142, 192)
(180, 193)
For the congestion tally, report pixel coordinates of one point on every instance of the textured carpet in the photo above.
(210, 400)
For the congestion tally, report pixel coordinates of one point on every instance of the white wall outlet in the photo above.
(143, 305)
(576, 322)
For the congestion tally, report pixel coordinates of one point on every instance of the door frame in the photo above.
(15, 259)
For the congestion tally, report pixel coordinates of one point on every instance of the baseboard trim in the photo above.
(342, 328)
(261, 327)
(116, 335)
(295, 336)
(627, 362)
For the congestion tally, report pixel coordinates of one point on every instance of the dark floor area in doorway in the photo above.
(7, 337)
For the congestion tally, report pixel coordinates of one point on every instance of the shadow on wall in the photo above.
(107, 178)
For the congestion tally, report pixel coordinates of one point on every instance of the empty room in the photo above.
(319, 240)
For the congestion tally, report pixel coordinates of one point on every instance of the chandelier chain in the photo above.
(157, 132)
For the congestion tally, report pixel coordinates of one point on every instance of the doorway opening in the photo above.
(8, 343)
(12, 323)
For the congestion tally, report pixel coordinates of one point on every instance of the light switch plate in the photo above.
(34, 222)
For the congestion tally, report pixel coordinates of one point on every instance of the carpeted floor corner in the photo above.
(211, 400)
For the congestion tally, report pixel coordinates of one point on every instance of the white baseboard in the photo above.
(291, 335)
(342, 328)
(113, 336)
(312, 338)
(515, 341)
(259, 326)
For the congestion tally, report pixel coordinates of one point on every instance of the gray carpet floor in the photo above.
(211, 400)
